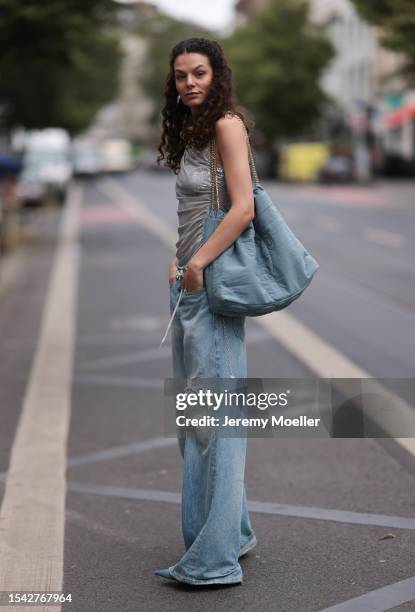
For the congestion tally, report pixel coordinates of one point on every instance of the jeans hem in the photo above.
(219, 580)
(249, 545)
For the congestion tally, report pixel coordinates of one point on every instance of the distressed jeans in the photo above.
(215, 520)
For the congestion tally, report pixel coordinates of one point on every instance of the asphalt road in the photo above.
(334, 518)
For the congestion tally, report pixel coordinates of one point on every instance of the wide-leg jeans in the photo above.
(215, 520)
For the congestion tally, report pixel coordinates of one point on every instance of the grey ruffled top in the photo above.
(193, 191)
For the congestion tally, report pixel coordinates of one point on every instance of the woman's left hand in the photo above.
(193, 277)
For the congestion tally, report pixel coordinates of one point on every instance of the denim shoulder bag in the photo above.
(266, 268)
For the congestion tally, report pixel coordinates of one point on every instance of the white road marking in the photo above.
(33, 509)
(304, 512)
(120, 336)
(119, 381)
(327, 362)
(384, 237)
(143, 355)
(318, 355)
(327, 223)
(138, 211)
(137, 322)
(379, 600)
(122, 451)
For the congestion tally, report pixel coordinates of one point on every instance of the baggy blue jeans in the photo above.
(215, 521)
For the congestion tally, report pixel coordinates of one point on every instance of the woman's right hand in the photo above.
(172, 271)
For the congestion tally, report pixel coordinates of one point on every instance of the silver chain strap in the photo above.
(214, 190)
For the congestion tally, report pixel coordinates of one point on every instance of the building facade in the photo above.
(364, 80)
(375, 104)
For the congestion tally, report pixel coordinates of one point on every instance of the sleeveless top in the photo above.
(193, 192)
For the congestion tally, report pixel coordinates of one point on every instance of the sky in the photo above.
(215, 14)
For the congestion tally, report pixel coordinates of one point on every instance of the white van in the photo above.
(86, 158)
(47, 154)
(116, 155)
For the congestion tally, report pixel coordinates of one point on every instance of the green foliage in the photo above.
(396, 20)
(58, 61)
(277, 60)
(161, 33)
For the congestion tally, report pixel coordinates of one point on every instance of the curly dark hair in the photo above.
(179, 126)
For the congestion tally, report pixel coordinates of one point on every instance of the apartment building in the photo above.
(363, 79)
(360, 77)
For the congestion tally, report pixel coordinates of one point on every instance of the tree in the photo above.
(278, 59)
(58, 62)
(396, 19)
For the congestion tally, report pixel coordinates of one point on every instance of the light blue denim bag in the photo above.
(266, 268)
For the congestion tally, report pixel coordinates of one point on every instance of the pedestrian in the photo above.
(200, 104)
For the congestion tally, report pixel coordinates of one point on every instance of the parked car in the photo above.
(47, 155)
(116, 155)
(86, 158)
(32, 190)
(337, 169)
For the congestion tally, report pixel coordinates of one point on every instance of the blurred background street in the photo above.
(89, 484)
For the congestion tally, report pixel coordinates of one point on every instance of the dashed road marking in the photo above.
(327, 223)
(305, 512)
(121, 451)
(384, 237)
(379, 600)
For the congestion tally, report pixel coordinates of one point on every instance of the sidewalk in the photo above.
(42, 226)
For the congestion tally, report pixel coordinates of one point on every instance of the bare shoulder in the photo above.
(230, 133)
(230, 125)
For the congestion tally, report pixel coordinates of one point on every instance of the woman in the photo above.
(200, 104)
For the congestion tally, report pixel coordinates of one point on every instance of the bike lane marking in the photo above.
(33, 508)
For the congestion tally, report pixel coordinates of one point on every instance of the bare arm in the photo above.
(232, 145)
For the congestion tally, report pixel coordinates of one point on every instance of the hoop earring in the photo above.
(178, 99)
